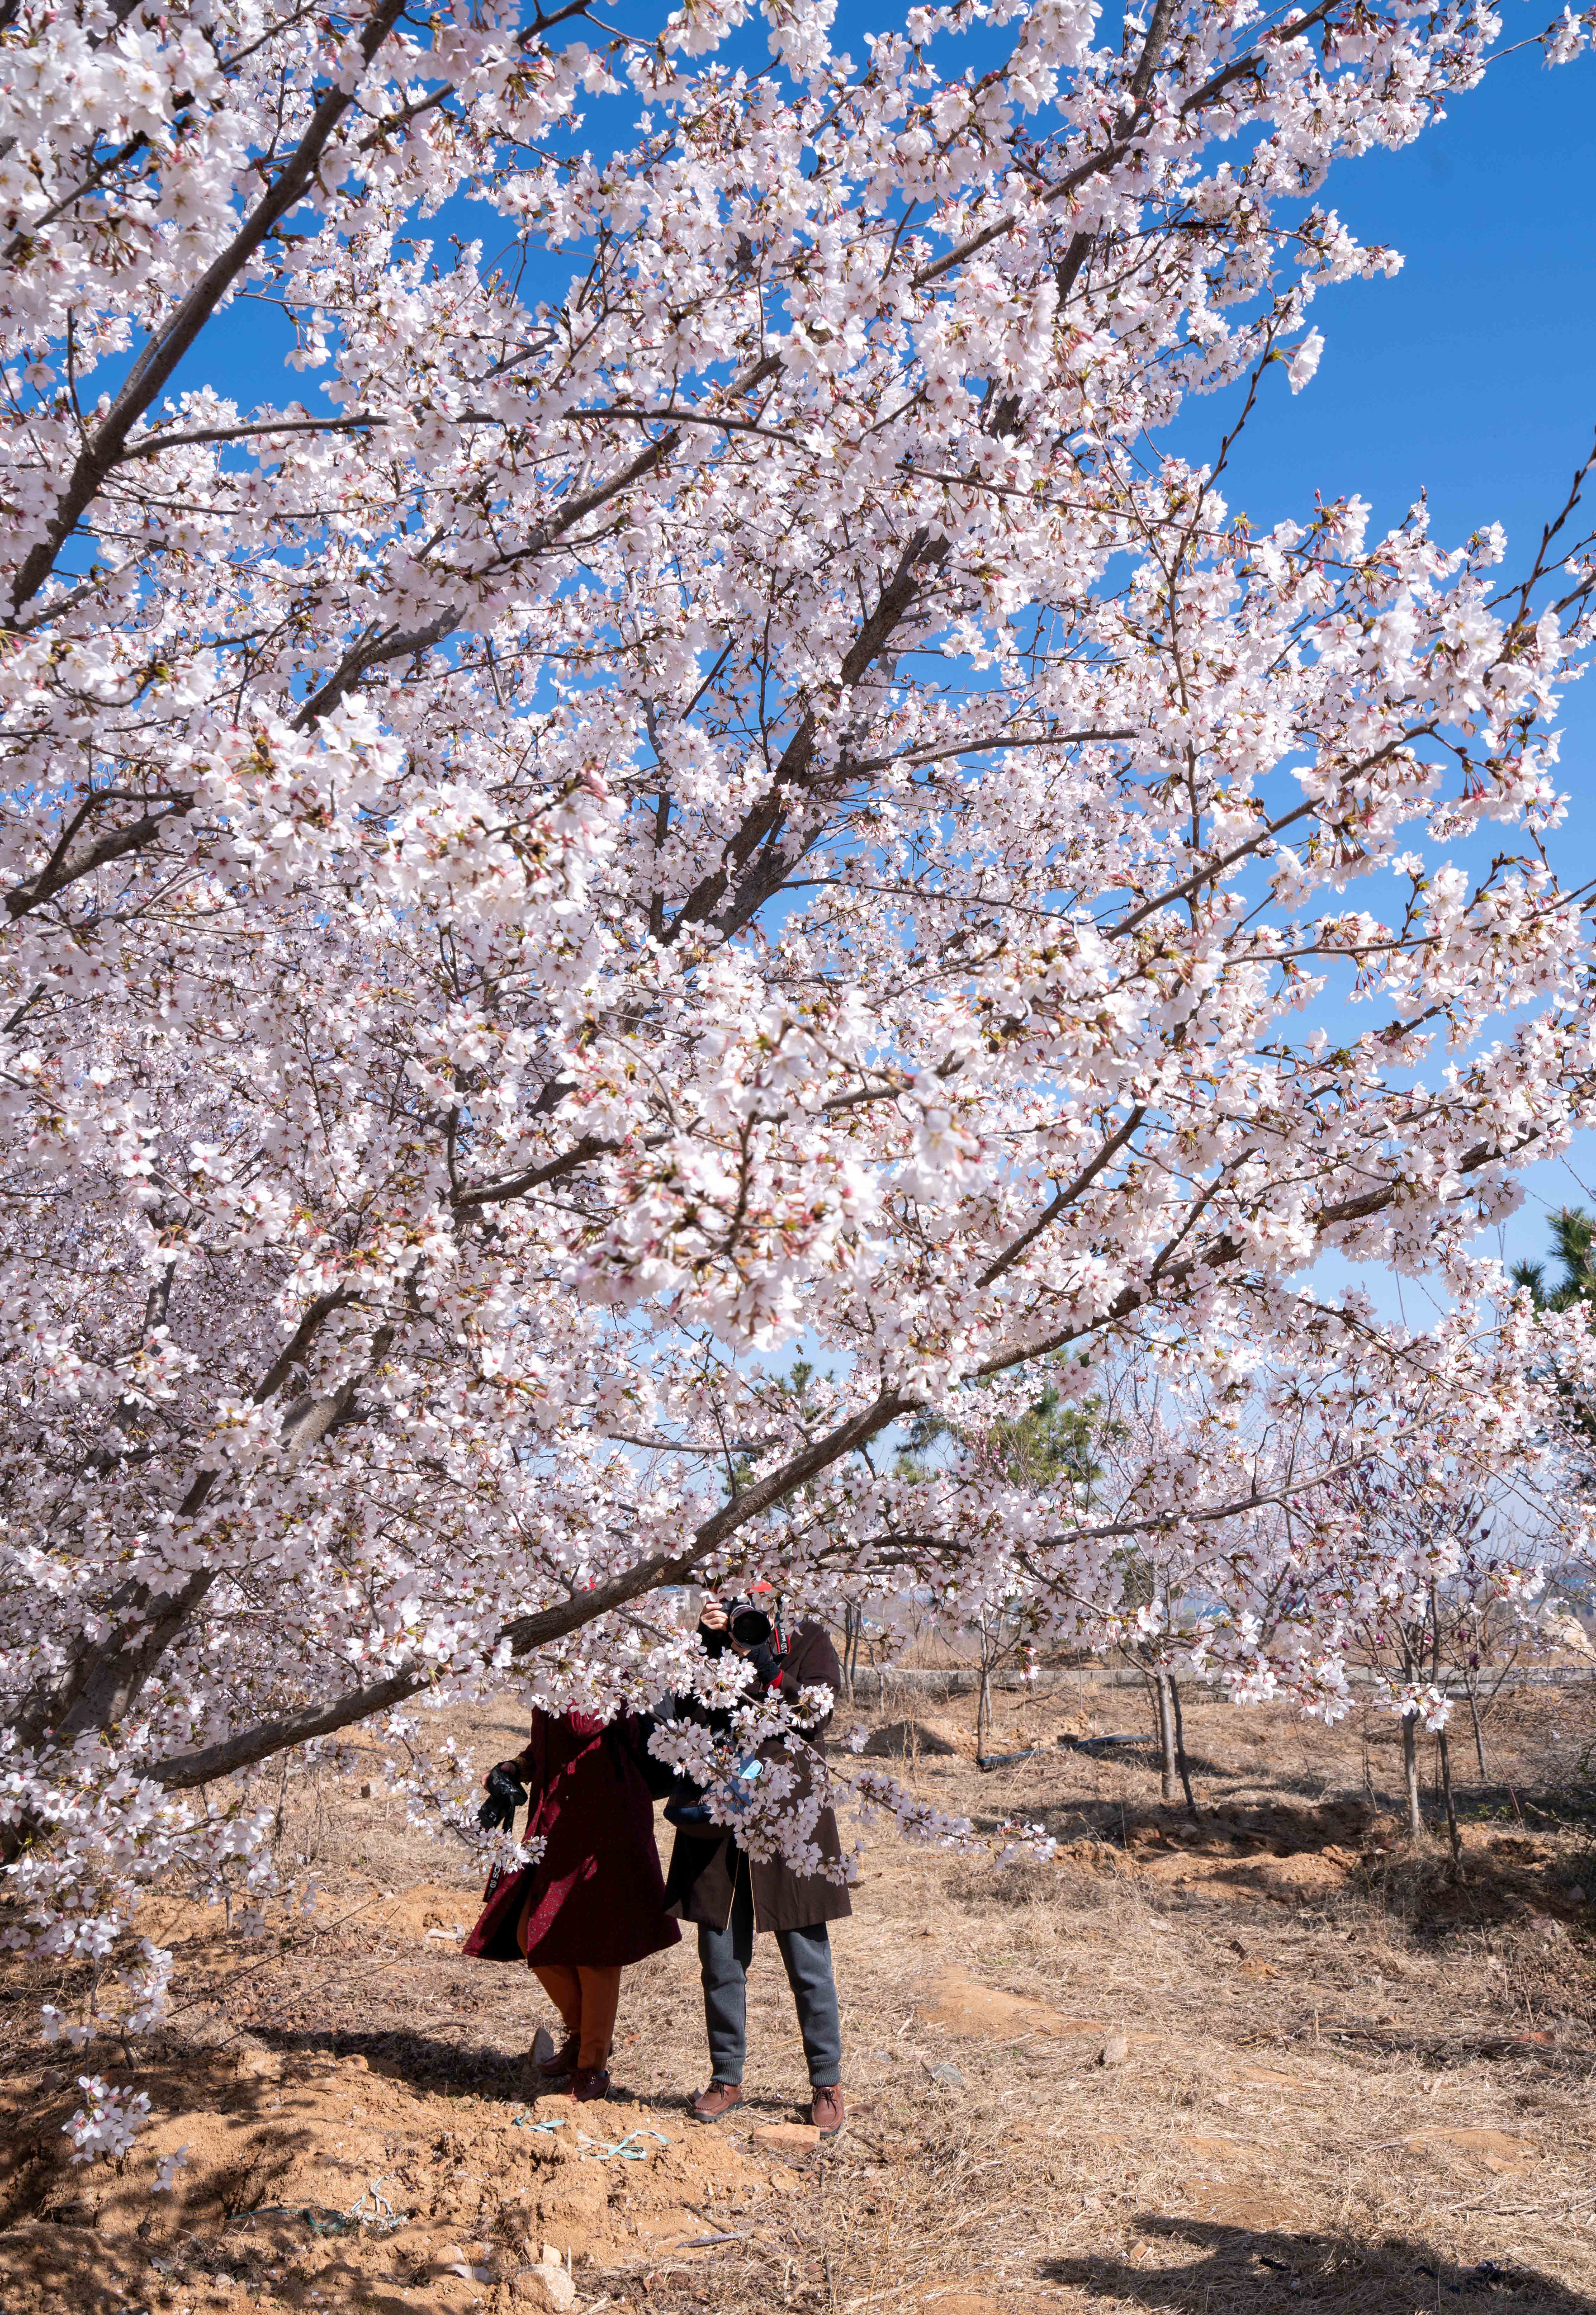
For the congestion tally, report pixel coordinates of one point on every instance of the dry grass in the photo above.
(1352, 2079)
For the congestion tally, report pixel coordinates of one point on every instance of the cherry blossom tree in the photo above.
(704, 794)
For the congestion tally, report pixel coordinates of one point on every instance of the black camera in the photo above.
(506, 1794)
(749, 1626)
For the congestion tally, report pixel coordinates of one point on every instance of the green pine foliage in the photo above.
(1051, 1443)
(1573, 1247)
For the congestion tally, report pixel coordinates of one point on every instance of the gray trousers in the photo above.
(724, 1959)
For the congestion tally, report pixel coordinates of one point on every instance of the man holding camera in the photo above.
(730, 1896)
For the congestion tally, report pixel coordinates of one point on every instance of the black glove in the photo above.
(765, 1662)
(506, 1794)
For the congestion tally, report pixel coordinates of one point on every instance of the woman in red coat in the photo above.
(595, 1900)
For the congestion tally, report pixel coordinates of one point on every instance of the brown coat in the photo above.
(698, 1886)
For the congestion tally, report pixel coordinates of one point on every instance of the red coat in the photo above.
(597, 1894)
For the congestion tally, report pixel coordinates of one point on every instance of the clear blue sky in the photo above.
(1472, 373)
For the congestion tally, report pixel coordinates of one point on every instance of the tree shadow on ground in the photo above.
(433, 2064)
(1239, 2268)
(1505, 1876)
(428, 2062)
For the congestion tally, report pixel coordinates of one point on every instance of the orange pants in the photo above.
(587, 2000)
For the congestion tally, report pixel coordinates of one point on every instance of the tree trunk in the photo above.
(1181, 1761)
(1410, 1769)
(1453, 1835)
(105, 1681)
(983, 1711)
(1479, 1742)
(1170, 1783)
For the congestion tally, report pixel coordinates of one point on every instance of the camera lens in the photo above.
(749, 1628)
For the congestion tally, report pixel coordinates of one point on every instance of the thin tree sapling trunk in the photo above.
(1453, 1835)
(1410, 1770)
(1473, 1714)
(1181, 1761)
(853, 1620)
(1170, 1782)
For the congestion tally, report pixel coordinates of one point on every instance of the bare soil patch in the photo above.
(1275, 2057)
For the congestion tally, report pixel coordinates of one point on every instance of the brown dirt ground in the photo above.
(1338, 2075)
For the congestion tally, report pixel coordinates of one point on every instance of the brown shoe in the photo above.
(717, 2101)
(827, 2111)
(590, 2082)
(563, 2061)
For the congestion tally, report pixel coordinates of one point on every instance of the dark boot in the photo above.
(827, 2111)
(562, 2061)
(590, 2082)
(717, 2101)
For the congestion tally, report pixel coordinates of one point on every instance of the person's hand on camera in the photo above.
(713, 1619)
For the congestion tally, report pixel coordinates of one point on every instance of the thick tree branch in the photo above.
(524, 1633)
(386, 644)
(533, 1177)
(103, 1683)
(1062, 1198)
(116, 844)
(1123, 144)
(753, 865)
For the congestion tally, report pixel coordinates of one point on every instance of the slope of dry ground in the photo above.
(1337, 2075)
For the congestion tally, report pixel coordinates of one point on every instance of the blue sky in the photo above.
(1472, 373)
